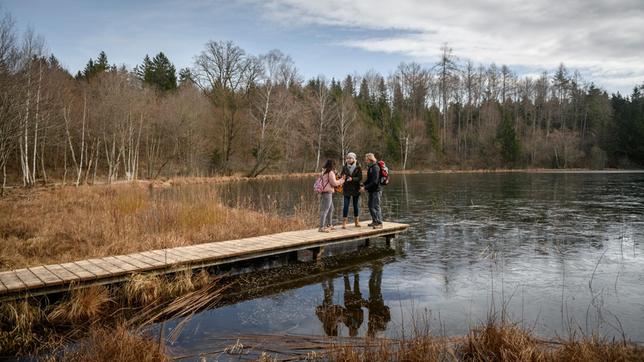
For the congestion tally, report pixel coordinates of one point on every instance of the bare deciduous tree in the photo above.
(322, 113)
(272, 109)
(225, 72)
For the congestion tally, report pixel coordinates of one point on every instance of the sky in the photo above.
(602, 39)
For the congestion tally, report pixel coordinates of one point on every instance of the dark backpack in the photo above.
(384, 173)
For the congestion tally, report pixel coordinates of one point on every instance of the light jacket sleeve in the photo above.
(333, 181)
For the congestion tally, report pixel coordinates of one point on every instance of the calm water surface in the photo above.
(553, 251)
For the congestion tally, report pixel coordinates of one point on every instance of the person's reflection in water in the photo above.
(379, 314)
(353, 313)
(329, 313)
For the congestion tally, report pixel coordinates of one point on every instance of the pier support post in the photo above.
(388, 239)
(317, 253)
(366, 242)
(292, 257)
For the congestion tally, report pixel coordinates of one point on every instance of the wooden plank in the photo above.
(154, 259)
(163, 256)
(93, 268)
(281, 239)
(79, 271)
(190, 250)
(226, 249)
(105, 265)
(206, 253)
(148, 260)
(216, 253)
(272, 242)
(46, 276)
(61, 272)
(143, 266)
(11, 281)
(245, 241)
(30, 279)
(239, 248)
(151, 255)
(250, 242)
(287, 237)
(180, 255)
(277, 243)
(213, 249)
(268, 240)
(256, 239)
(232, 251)
(168, 258)
(126, 267)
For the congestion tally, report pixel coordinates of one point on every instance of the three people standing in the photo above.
(350, 178)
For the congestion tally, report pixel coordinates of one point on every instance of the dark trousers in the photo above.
(346, 204)
(374, 207)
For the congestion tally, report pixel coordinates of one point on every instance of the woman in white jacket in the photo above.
(326, 197)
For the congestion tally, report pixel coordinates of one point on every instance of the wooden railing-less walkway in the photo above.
(61, 277)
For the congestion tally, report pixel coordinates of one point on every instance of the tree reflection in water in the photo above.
(351, 313)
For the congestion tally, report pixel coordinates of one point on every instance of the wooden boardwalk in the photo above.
(61, 277)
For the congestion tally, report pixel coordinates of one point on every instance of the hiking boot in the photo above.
(377, 226)
(344, 222)
(357, 221)
(371, 224)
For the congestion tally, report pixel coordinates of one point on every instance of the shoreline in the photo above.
(167, 182)
(185, 181)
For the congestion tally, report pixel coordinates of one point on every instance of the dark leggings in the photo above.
(356, 205)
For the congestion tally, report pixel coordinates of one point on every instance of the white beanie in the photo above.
(352, 155)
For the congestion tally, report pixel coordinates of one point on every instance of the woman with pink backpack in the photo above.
(325, 185)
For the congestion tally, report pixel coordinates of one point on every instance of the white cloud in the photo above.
(604, 39)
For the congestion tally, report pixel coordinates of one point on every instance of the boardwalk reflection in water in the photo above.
(351, 314)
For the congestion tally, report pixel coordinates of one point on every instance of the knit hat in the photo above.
(352, 155)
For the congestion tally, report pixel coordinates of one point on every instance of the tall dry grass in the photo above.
(37, 325)
(64, 224)
(118, 344)
(488, 343)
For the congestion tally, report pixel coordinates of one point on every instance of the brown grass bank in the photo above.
(115, 345)
(487, 343)
(38, 326)
(42, 226)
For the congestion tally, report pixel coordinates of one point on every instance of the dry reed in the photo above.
(487, 343)
(34, 326)
(51, 226)
(114, 345)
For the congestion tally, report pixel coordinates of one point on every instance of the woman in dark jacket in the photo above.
(351, 189)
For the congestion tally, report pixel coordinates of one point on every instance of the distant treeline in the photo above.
(234, 112)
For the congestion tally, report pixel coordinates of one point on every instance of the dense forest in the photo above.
(235, 112)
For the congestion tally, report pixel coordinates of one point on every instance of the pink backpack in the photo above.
(319, 185)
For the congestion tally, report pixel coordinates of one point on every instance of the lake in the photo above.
(554, 252)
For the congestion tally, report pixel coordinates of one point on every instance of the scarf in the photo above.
(352, 168)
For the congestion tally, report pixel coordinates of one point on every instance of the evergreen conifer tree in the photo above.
(508, 140)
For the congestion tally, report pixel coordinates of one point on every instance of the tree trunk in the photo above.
(82, 149)
(36, 124)
(24, 142)
(4, 179)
